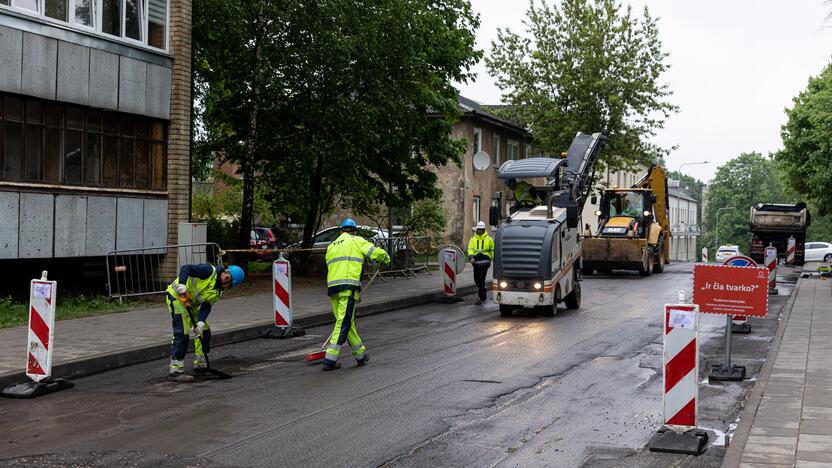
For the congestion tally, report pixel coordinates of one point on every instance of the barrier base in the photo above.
(727, 374)
(691, 442)
(740, 328)
(773, 291)
(36, 389)
(282, 333)
(449, 299)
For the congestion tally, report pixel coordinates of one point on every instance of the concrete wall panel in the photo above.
(11, 59)
(129, 228)
(36, 225)
(40, 66)
(70, 225)
(132, 85)
(103, 79)
(73, 73)
(101, 225)
(158, 91)
(155, 230)
(9, 209)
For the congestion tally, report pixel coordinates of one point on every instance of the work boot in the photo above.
(200, 365)
(363, 362)
(479, 301)
(174, 376)
(331, 367)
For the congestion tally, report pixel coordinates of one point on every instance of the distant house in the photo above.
(684, 223)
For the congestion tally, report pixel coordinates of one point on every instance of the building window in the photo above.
(495, 148)
(143, 21)
(476, 211)
(512, 150)
(528, 151)
(50, 143)
(477, 143)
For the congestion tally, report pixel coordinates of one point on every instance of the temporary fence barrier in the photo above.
(40, 343)
(138, 272)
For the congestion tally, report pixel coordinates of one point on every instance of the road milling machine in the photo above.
(538, 247)
(633, 231)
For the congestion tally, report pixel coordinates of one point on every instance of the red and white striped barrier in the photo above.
(282, 301)
(790, 248)
(449, 272)
(40, 343)
(681, 365)
(771, 264)
(704, 255)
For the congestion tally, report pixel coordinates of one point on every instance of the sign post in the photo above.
(40, 343)
(730, 290)
(739, 323)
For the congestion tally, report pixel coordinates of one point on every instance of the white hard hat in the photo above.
(480, 225)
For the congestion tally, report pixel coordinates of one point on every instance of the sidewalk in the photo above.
(94, 344)
(788, 418)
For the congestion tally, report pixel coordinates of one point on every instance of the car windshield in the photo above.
(625, 204)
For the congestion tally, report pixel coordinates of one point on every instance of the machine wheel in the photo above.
(660, 260)
(573, 300)
(648, 269)
(506, 310)
(827, 258)
(587, 271)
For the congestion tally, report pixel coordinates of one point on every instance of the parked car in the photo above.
(726, 251)
(325, 237)
(818, 252)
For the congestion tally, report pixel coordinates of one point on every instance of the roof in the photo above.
(474, 109)
(680, 193)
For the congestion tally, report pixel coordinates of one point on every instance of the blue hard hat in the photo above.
(237, 275)
(348, 223)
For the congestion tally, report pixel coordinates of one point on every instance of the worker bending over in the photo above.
(197, 288)
(480, 253)
(344, 261)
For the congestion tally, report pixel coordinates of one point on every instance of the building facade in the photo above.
(684, 223)
(95, 103)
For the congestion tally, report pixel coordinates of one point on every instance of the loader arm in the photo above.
(656, 180)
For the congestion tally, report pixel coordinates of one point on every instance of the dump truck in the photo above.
(773, 224)
(538, 247)
(633, 231)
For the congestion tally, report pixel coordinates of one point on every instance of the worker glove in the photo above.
(180, 289)
(199, 328)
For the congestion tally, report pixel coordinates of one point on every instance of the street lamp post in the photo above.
(689, 164)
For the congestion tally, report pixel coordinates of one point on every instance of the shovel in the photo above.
(318, 356)
(216, 373)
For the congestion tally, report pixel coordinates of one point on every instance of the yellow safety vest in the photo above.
(200, 290)
(483, 244)
(344, 259)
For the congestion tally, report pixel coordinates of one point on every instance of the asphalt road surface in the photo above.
(447, 385)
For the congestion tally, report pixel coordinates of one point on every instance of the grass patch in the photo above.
(259, 267)
(70, 306)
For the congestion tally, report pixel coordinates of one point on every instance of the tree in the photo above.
(742, 182)
(806, 157)
(586, 65)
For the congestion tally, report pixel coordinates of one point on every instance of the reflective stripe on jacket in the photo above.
(481, 244)
(344, 259)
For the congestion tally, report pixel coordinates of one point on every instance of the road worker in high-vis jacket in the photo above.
(196, 289)
(344, 260)
(480, 254)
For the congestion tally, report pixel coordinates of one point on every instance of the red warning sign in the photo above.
(724, 289)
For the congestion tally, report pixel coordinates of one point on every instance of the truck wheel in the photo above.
(646, 270)
(660, 261)
(506, 310)
(573, 300)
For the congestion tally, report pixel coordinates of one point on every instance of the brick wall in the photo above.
(179, 136)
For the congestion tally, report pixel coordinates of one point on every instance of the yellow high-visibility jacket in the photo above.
(344, 259)
(201, 281)
(483, 244)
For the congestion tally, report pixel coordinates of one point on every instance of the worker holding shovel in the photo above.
(344, 260)
(198, 287)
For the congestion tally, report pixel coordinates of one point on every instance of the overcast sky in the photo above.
(735, 65)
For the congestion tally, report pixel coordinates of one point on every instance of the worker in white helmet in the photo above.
(480, 254)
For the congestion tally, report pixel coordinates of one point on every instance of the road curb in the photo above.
(109, 361)
(738, 441)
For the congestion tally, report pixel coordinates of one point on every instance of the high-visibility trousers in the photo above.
(343, 307)
(181, 324)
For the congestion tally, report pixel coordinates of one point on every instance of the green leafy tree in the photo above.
(806, 157)
(586, 66)
(741, 183)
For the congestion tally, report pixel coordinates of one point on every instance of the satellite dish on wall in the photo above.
(481, 160)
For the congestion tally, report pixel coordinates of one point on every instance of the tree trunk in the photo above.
(315, 183)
